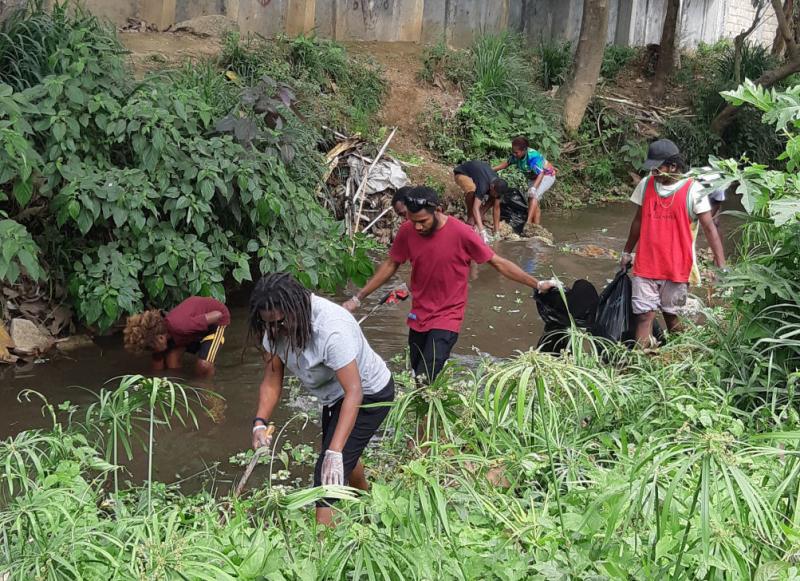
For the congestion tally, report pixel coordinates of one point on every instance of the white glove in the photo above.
(260, 437)
(332, 469)
(546, 285)
(485, 236)
(625, 259)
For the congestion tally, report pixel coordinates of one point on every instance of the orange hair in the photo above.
(141, 330)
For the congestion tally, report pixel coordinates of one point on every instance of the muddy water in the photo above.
(501, 319)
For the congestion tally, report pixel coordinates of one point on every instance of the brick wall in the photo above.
(739, 16)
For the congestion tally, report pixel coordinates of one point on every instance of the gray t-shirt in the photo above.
(336, 340)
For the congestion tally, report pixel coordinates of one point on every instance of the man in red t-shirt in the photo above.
(196, 325)
(440, 249)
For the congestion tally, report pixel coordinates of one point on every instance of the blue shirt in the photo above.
(533, 162)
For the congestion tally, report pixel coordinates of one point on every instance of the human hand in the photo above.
(262, 436)
(544, 286)
(625, 259)
(352, 304)
(333, 469)
(485, 236)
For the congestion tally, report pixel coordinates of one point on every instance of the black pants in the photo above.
(367, 423)
(429, 351)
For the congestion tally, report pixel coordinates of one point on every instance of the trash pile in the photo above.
(360, 187)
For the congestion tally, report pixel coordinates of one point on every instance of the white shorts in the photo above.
(537, 193)
(653, 295)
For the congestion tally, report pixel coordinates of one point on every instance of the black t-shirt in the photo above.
(479, 172)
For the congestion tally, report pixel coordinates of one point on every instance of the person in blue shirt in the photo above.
(540, 173)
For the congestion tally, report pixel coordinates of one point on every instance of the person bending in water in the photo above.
(322, 345)
(482, 189)
(197, 325)
(440, 249)
(540, 173)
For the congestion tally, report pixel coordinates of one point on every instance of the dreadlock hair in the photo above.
(282, 292)
(142, 329)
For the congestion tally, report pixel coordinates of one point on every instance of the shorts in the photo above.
(465, 183)
(430, 350)
(208, 347)
(367, 423)
(653, 295)
(205, 349)
(546, 183)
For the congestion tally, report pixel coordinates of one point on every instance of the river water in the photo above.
(501, 319)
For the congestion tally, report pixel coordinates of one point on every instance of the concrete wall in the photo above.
(631, 22)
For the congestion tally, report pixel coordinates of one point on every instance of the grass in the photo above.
(595, 463)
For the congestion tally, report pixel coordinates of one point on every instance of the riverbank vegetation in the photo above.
(117, 194)
(599, 463)
(508, 90)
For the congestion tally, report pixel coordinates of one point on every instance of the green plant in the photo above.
(615, 58)
(440, 62)
(555, 60)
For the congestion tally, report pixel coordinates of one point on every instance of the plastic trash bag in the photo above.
(614, 319)
(514, 210)
(581, 304)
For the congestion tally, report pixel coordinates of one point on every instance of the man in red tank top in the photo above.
(662, 228)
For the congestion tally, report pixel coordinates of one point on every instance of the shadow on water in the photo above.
(501, 319)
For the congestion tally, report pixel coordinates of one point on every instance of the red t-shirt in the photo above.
(439, 272)
(187, 323)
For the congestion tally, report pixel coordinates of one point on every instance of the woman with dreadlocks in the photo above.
(322, 345)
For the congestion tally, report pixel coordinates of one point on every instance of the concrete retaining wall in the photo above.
(631, 22)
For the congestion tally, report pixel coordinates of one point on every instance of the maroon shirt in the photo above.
(439, 272)
(187, 323)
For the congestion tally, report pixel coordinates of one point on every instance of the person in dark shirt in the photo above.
(482, 188)
(197, 325)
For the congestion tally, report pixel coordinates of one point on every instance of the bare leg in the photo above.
(173, 358)
(325, 515)
(644, 328)
(358, 479)
(203, 368)
(673, 323)
(533, 207)
(537, 216)
(469, 199)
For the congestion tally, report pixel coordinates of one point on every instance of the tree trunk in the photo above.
(666, 51)
(790, 66)
(579, 88)
(778, 45)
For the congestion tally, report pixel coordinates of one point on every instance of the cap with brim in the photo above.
(658, 152)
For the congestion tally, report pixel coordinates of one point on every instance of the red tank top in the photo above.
(665, 240)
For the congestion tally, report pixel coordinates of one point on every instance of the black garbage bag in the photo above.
(614, 319)
(581, 304)
(514, 210)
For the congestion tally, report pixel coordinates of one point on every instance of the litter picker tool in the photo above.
(249, 470)
(391, 298)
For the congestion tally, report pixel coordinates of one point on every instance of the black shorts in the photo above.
(367, 423)
(208, 347)
(205, 349)
(429, 351)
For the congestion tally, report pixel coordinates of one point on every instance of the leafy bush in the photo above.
(555, 60)
(331, 85)
(141, 194)
(500, 104)
(615, 58)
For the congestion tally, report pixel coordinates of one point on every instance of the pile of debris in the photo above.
(360, 187)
